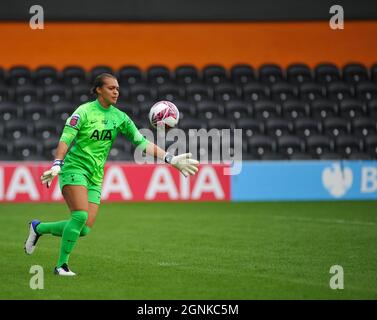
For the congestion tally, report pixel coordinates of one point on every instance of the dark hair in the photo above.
(99, 81)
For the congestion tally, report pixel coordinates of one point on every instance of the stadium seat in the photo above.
(192, 123)
(372, 109)
(236, 109)
(255, 91)
(290, 144)
(130, 75)
(270, 73)
(347, 145)
(9, 110)
(311, 91)
(366, 91)
(209, 110)
(186, 74)
(170, 92)
(81, 93)
(63, 110)
(282, 91)
(250, 126)
(45, 128)
(326, 72)
(370, 145)
(362, 126)
(242, 73)
(27, 94)
(214, 74)
(293, 109)
(225, 92)
(45, 76)
(323, 108)
(219, 123)
(264, 109)
(141, 92)
(355, 73)
(36, 111)
(16, 129)
(4, 150)
(261, 144)
(55, 93)
(338, 90)
(351, 108)
(316, 145)
(198, 92)
(158, 75)
(278, 126)
(373, 73)
(19, 76)
(299, 73)
(307, 127)
(334, 126)
(27, 148)
(5, 93)
(74, 75)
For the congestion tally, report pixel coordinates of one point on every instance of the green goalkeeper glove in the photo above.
(183, 163)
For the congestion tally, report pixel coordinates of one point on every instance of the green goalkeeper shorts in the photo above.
(79, 179)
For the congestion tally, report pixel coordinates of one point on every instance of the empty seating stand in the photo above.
(297, 112)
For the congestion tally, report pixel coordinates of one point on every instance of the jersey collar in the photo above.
(96, 102)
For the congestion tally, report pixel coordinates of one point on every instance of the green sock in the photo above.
(70, 235)
(56, 228)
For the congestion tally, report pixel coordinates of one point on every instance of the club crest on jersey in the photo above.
(74, 120)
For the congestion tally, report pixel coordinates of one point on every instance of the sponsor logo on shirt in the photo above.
(101, 135)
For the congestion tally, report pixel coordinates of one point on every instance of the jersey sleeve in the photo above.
(73, 125)
(129, 130)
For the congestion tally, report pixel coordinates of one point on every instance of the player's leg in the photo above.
(38, 228)
(94, 198)
(76, 197)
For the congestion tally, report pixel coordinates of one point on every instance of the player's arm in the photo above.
(182, 162)
(68, 135)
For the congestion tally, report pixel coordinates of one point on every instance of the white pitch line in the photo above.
(321, 220)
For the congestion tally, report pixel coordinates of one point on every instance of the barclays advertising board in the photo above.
(305, 180)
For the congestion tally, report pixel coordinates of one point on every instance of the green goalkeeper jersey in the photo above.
(93, 129)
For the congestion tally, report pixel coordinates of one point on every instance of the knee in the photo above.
(80, 215)
(84, 231)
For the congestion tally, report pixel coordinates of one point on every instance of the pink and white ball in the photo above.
(164, 114)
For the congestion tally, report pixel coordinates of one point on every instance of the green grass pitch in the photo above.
(199, 251)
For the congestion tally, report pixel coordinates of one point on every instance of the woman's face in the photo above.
(109, 91)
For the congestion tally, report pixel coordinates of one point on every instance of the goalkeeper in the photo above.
(93, 126)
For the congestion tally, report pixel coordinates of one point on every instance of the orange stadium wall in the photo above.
(144, 44)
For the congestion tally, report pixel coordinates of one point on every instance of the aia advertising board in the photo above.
(20, 182)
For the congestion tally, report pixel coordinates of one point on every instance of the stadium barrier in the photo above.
(20, 182)
(257, 181)
(305, 180)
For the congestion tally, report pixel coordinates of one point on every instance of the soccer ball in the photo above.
(164, 114)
